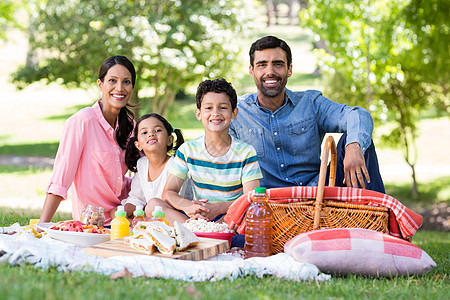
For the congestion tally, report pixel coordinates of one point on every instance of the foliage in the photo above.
(375, 58)
(173, 44)
(7, 9)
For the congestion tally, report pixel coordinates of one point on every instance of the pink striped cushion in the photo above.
(359, 251)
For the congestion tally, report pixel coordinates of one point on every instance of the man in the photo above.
(287, 128)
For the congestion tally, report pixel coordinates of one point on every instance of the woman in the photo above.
(91, 152)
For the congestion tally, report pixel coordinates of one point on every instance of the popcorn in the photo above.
(202, 225)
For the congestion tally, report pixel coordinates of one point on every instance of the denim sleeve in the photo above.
(335, 117)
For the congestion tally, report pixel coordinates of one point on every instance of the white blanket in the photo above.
(47, 252)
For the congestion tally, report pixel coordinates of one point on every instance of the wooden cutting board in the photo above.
(207, 248)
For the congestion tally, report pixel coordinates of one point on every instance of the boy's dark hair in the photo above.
(216, 86)
(270, 42)
(132, 154)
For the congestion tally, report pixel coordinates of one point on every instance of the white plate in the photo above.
(82, 239)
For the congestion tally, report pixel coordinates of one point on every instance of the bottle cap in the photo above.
(158, 212)
(120, 212)
(139, 211)
(260, 190)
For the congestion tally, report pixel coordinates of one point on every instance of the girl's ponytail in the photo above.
(132, 154)
(180, 138)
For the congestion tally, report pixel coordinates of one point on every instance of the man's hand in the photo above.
(355, 166)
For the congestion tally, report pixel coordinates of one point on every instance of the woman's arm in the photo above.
(51, 204)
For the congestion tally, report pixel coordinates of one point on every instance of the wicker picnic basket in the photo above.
(291, 219)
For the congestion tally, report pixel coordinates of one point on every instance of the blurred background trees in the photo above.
(391, 57)
(173, 44)
(7, 10)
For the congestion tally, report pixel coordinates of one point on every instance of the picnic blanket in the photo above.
(47, 252)
(403, 222)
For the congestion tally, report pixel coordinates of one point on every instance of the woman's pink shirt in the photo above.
(90, 158)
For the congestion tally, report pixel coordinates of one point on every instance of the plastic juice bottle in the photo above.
(120, 226)
(258, 232)
(138, 215)
(158, 215)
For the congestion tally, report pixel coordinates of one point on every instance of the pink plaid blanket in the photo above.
(403, 222)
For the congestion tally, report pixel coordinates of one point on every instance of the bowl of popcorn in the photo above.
(211, 230)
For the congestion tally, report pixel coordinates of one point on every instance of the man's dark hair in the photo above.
(270, 42)
(216, 86)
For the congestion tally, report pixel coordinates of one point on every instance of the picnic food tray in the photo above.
(207, 248)
(291, 219)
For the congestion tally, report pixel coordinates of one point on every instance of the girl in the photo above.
(152, 138)
(91, 152)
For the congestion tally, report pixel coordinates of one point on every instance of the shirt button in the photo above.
(275, 133)
(273, 116)
(301, 183)
(282, 165)
(303, 129)
(286, 179)
(278, 148)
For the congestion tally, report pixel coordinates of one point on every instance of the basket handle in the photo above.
(329, 147)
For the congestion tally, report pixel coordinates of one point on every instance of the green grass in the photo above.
(45, 149)
(26, 282)
(432, 192)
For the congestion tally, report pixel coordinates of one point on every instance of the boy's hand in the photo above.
(197, 209)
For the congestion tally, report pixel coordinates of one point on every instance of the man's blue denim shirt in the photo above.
(288, 140)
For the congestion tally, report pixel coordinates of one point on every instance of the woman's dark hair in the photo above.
(133, 154)
(270, 42)
(126, 116)
(216, 86)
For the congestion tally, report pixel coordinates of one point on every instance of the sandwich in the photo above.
(145, 245)
(164, 243)
(155, 225)
(184, 237)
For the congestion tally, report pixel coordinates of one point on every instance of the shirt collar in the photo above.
(101, 119)
(288, 96)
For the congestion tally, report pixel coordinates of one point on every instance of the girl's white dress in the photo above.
(142, 190)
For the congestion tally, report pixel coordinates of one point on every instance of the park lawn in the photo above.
(27, 282)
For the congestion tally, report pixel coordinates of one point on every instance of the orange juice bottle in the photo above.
(138, 215)
(258, 232)
(159, 215)
(120, 226)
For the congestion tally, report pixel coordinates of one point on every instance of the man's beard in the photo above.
(271, 92)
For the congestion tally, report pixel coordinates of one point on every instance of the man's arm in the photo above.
(355, 166)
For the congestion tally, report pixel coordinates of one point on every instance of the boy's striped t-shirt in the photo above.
(216, 178)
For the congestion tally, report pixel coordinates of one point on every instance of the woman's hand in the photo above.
(112, 213)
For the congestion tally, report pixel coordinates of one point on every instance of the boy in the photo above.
(221, 167)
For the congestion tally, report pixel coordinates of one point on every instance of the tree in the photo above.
(7, 10)
(375, 59)
(173, 43)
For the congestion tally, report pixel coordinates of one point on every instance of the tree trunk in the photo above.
(407, 155)
(414, 190)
